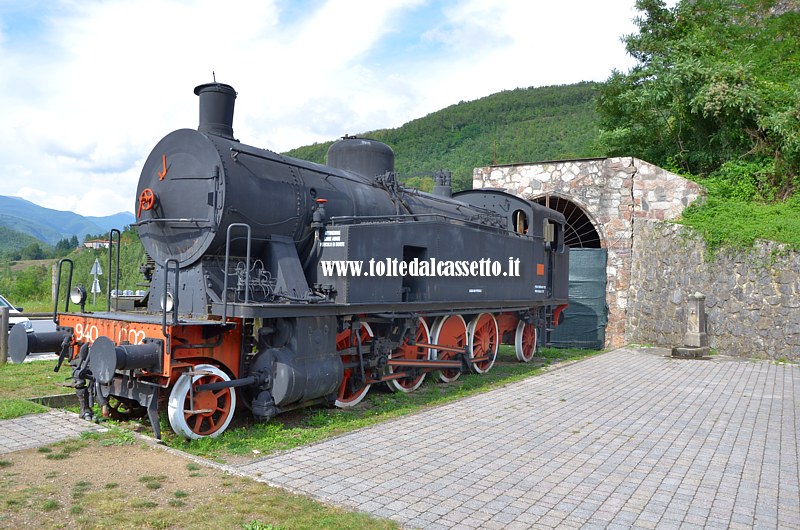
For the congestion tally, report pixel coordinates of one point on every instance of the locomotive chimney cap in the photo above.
(215, 87)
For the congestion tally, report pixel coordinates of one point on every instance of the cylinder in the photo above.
(105, 358)
(210, 182)
(21, 343)
(296, 378)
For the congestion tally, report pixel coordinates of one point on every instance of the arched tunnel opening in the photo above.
(579, 231)
(587, 315)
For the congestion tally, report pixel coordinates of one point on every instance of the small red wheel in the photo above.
(147, 199)
(484, 339)
(351, 392)
(410, 352)
(449, 331)
(525, 341)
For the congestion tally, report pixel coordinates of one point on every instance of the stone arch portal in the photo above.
(611, 193)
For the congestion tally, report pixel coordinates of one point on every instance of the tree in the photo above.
(33, 251)
(717, 81)
(63, 246)
(32, 282)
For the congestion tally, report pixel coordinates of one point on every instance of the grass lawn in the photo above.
(113, 480)
(18, 382)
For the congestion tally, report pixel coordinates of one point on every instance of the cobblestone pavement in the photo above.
(631, 438)
(37, 430)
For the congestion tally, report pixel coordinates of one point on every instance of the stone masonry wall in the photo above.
(614, 193)
(752, 297)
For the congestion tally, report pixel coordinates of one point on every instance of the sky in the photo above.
(88, 87)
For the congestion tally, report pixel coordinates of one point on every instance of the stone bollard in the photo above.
(696, 339)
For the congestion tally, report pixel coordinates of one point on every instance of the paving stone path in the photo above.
(631, 438)
(36, 430)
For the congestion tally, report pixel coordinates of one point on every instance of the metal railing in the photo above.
(110, 252)
(247, 269)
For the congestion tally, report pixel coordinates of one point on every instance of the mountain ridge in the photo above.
(49, 225)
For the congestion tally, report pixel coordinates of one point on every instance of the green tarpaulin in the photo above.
(585, 319)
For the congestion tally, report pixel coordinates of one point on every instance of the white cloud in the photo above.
(88, 88)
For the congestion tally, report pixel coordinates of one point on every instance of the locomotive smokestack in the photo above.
(217, 101)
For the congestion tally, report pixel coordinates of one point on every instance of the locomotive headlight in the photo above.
(168, 303)
(77, 295)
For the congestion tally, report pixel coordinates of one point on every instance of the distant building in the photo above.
(96, 243)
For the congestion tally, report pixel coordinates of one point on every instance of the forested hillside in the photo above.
(32, 285)
(13, 241)
(525, 125)
(132, 255)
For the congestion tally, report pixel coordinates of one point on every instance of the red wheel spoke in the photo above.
(212, 424)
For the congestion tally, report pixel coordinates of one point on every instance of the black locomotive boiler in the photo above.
(277, 283)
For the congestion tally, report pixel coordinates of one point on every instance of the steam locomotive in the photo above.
(276, 283)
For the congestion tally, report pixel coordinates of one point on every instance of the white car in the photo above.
(13, 319)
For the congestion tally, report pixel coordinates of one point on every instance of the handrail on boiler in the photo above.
(247, 269)
(400, 218)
